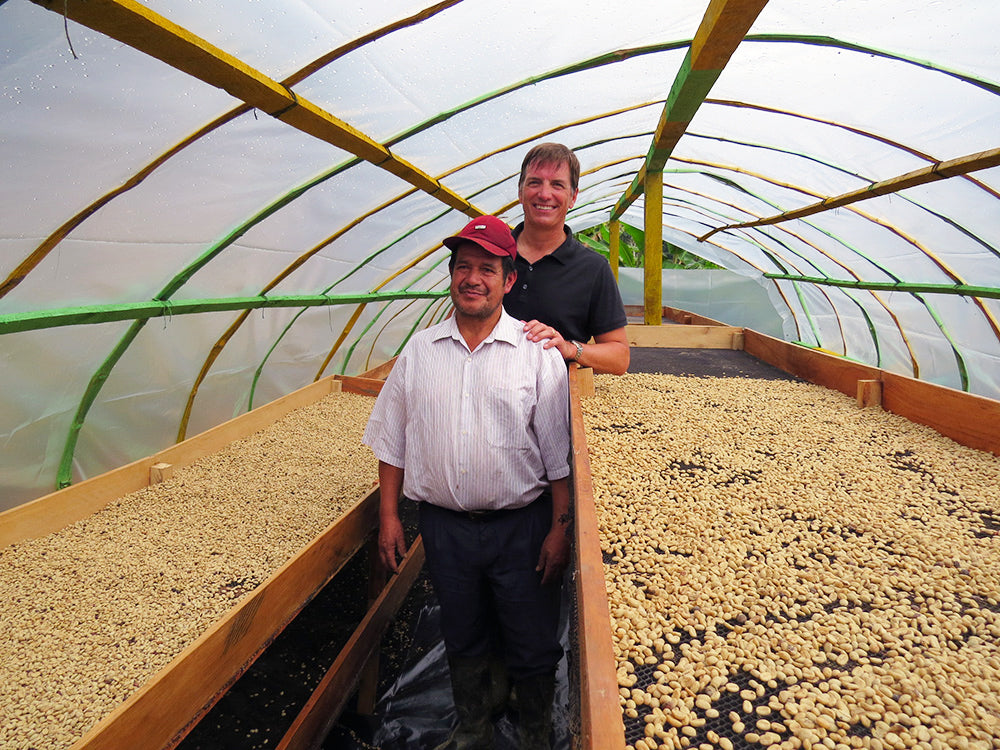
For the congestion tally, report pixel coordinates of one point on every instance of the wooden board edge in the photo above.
(170, 704)
(675, 315)
(381, 371)
(682, 336)
(321, 711)
(601, 723)
(221, 435)
(363, 386)
(56, 510)
(817, 367)
(966, 418)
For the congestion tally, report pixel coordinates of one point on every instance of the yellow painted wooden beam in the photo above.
(141, 28)
(615, 246)
(653, 254)
(938, 171)
(722, 28)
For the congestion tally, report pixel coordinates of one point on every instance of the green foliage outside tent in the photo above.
(632, 249)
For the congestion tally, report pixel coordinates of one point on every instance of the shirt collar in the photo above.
(507, 330)
(562, 254)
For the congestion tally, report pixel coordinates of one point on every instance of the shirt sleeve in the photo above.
(551, 422)
(385, 432)
(607, 309)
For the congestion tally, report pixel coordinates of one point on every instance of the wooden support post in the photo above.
(585, 379)
(160, 472)
(869, 393)
(738, 340)
(653, 254)
(615, 245)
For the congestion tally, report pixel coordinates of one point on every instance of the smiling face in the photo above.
(477, 282)
(546, 194)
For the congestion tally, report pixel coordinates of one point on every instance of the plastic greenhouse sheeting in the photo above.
(205, 206)
(721, 295)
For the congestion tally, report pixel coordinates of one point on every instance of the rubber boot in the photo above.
(500, 689)
(471, 690)
(534, 697)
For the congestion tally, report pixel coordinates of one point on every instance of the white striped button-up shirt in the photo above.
(474, 430)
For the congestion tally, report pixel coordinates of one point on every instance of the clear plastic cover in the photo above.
(127, 180)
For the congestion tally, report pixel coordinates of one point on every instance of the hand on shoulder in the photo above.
(536, 330)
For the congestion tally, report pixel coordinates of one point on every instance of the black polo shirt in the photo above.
(572, 289)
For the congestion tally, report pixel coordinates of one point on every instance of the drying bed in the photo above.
(93, 611)
(787, 569)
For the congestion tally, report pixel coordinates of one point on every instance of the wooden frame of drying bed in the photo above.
(171, 703)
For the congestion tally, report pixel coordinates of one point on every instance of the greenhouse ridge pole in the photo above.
(938, 171)
(141, 28)
(964, 290)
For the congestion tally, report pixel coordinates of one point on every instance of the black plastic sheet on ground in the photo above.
(416, 711)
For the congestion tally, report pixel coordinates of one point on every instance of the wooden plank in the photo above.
(675, 315)
(360, 385)
(682, 337)
(689, 318)
(817, 367)
(941, 170)
(378, 576)
(964, 417)
(380, 372)
(718, 35)
(219, 437)
(59, 509)
(160, 713)
(601, 725)
(320, 713)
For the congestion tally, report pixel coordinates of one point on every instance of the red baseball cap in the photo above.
(490, 233)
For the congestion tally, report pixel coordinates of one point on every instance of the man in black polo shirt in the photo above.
(564, 291)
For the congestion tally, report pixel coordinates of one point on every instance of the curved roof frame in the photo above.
(895, 286)
(828, 256)
(279, 99)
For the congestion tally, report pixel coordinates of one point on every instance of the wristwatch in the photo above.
(579, 350)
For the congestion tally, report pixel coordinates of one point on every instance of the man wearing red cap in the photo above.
(472, 423)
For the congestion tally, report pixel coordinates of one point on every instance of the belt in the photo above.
(490, 515)
(486, 515)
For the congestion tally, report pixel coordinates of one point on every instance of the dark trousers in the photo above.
(483, 573)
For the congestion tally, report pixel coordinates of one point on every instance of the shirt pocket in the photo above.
(507, 414)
